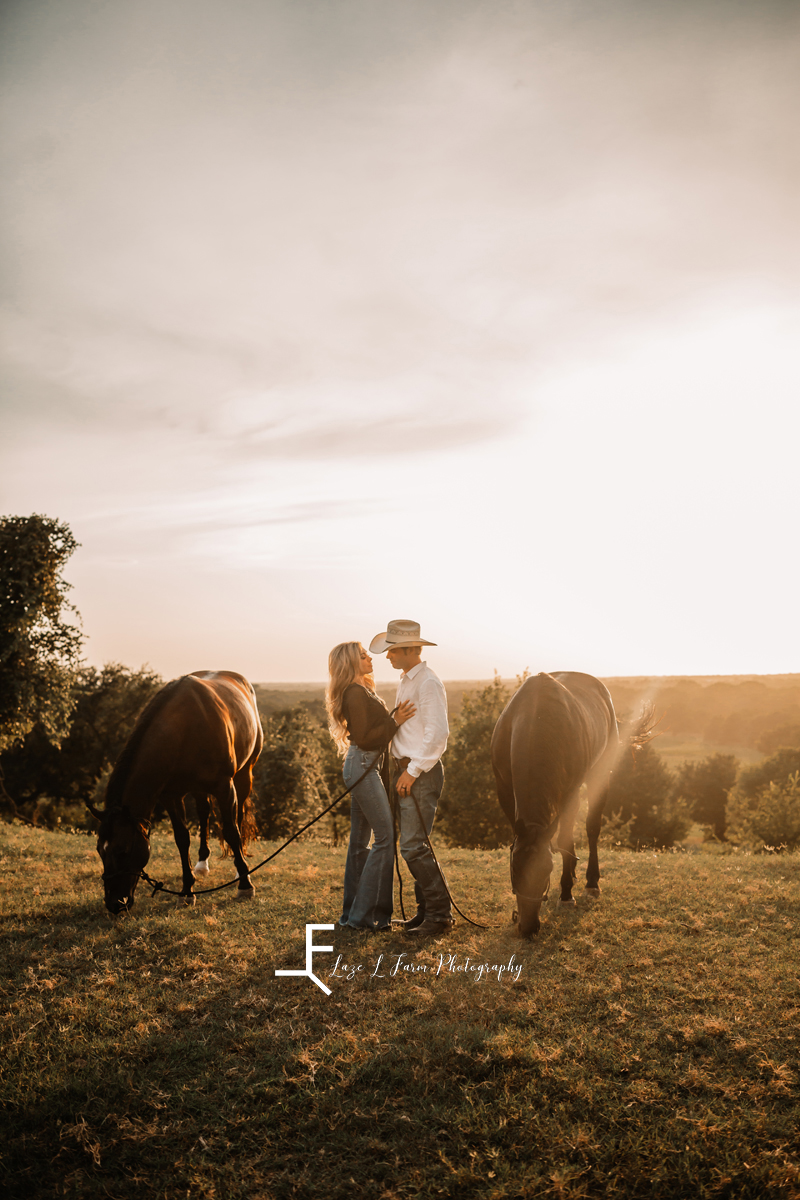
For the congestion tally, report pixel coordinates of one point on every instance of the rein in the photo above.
(469, 921)
(160, 887)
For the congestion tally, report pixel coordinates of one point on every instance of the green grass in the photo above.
(648, 1045)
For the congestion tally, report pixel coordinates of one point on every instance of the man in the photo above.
(416, 752)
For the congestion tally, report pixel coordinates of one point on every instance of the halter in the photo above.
(144, 829)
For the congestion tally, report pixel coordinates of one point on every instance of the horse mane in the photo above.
(123, 765)
(549, 758)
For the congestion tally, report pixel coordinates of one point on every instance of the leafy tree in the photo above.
(469, 812)
(705, 786)
(43, 777)
(642, 807)
(769, 819)
(39, 650)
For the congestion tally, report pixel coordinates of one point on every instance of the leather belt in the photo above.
(400, 764)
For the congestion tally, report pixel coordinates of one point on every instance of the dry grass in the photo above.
(647, 1045)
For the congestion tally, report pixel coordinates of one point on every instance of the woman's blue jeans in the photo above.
(368, 883)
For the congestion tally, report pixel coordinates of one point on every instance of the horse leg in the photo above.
(566, 845)
(245, 814)
(505, 796)
(531, 864)
(227, 801)
(599, 784)
(201, 867)
(177, 815)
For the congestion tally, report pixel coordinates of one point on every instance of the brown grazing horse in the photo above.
(556, 732)
(201, 734)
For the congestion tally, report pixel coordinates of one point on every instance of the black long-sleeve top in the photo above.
(368, 723)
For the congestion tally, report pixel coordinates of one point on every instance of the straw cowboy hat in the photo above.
(399, 633)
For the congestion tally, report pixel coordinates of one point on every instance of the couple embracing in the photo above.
(416, 734)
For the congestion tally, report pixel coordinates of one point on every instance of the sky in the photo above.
(482, 313)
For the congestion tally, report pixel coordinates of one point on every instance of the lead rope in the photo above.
(441, 872)
(159, 887)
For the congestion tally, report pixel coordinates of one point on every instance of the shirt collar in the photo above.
(414, 670)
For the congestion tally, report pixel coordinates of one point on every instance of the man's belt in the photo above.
(400, 764)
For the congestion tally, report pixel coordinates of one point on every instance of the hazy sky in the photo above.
(481, 313)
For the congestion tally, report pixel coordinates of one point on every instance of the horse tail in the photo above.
(248, 828)
(123, 765)
(642, 729)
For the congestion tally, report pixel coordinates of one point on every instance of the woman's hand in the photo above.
(404, 711)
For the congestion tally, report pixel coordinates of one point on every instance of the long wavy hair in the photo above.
(344, 668)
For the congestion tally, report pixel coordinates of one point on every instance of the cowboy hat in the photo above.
(398, 633)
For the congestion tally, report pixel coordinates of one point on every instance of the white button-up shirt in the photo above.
(423, 738)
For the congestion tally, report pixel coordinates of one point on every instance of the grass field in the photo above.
(644, 1045)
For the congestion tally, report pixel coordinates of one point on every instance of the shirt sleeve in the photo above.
(432, 704)
(368, 723)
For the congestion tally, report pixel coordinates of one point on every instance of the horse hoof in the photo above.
(245, 893)
(568, 903)
(514, 916)
(593, 892)
(201, 867)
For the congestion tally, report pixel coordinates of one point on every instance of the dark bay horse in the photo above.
(556, 732)
(200, 735)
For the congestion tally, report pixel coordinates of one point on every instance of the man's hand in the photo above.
(404, 784)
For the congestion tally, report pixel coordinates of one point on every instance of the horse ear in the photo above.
(96, 813)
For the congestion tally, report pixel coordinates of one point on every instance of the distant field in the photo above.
(645, 1045)
(675, 750)
(698, 715)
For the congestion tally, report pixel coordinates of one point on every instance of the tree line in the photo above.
(648, 804)
(63, 725)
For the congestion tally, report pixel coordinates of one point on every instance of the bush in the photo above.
(469, 813)
(49, 783)
(297, 775)
(770, 820)
(776, 769)
(705, 786)
(642, 809)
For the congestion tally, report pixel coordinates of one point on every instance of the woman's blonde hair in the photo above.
(344, 668)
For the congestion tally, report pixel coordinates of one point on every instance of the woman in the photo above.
(362, 728)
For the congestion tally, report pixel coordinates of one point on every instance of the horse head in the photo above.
(531, 865)
(123, 843)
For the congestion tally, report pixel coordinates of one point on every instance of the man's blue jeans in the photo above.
(367, 902)
(416, 820)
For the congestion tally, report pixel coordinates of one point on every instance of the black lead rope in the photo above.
(441, 872)
(160, 887)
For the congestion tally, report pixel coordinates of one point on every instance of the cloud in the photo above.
(397, 435)
(332, 231)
